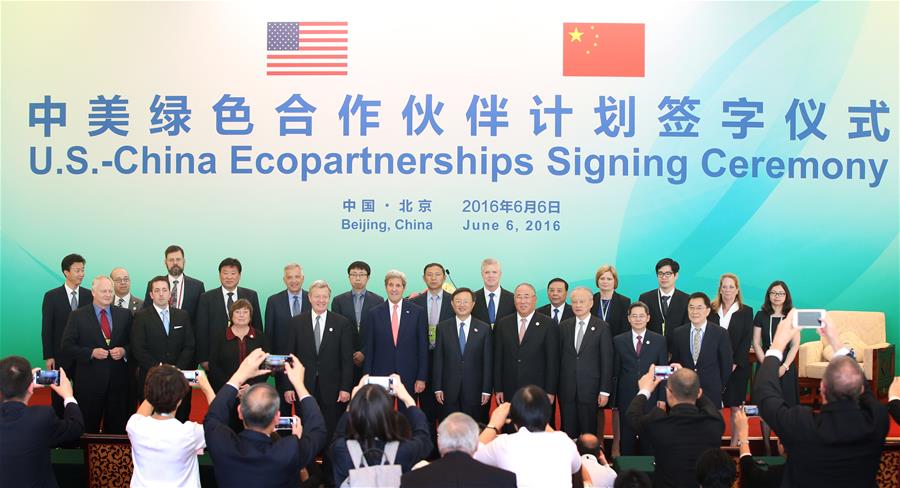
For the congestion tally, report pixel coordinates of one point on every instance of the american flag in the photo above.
(306, 48)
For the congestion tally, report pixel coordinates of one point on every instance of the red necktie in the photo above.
(104, 325)
(637, 345)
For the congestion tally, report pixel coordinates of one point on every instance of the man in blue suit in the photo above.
(704, 347)
(396, 336)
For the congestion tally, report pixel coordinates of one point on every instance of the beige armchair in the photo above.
(865, 333)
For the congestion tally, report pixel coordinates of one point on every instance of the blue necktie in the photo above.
(295, 307)
(556, 315)
(462, 338)
(492, 309)
(165, 319)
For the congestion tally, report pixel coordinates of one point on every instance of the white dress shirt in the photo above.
(126, 301)
(601, 476)
(540, 459)
(725, 316)
(164, 452)
(487, 298)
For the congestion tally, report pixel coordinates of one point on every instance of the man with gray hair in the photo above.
(839, 446)
(280, 309)
(492, 303)
(253, 457)
(457, 442)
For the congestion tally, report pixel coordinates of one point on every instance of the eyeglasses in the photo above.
(777, 293)
(358, 275)
(665, 274)
(122, 280)
(638, 317)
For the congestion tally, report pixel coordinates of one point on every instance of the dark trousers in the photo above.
(629, 443)
(109, 408)
(580, 418)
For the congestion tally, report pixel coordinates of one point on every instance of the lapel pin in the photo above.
(537, 323)
(330, 329)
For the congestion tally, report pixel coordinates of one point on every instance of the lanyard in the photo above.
(604, 311)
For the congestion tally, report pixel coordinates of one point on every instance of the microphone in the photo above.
(447, 272)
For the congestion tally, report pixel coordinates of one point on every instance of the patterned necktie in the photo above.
(295, 306)
(580, 336)
(695, 351)
(173, 300)
(395, 323)
(74, 302)
(492, 309)
(637, 345)
(165, 319)
(121, 302)
(522, 330)
(462, 338)
(104, 326)
(317, 330)
(230, 302)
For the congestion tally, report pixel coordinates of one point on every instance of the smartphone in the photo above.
(663, 372)
(275, 362)
(285, 423)
(46, 377)
(809, 318)
(385, 382)
(751, 410)
(190, 375)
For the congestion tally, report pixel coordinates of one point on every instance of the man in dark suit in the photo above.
(253, 457)
(557, 309)
(492, 303)
(28, 433)
(98, 337)
(457, 442)
(355, 305)
(185, 290)
(894, 399)
(122, 289)
(691, 426)
(463, 361)
(436, 303)
(704, 347)
(213, 310)
(839, 446)
(526, 349)
(162, 334)
(635, 351)
(668, 306)
(58, 304)
(585, 370)
(396, 337)
(280, 309)
(324, 344)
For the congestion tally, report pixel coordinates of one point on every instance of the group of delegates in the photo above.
(452, 352)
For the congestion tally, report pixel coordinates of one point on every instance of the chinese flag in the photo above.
(603, 49)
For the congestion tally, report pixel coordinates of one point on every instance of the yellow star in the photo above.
(576, 36)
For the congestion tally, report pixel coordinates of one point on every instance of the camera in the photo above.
(751, 410)
(191, 375)
(285, 423)
(275, 362)
(46, 377)
(809, 319)
(385, 382)
(663, 372)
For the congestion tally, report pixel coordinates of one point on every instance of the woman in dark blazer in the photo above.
(372, 421)
(229, 349)
(730, 312)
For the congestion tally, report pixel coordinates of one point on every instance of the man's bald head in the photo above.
(843, 380)
(684, 386)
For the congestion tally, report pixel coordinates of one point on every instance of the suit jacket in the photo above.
(715, 360)
(616, 314)
(54, 316)
(628, 367)
(740, 333)
(150, 345)
(343, 304)
(534, 362)
(839, 446)
(676, 317)
(754, 476)
(678, 437)
(190, 299)
(463, 374)
(28, 434)
(251, 458)
(213, 318)
(278, 320)
(83, 334)
(134, 304)
(333, 364)
(548, 311)
(458, 469)
(224, 356)
(506, 306)
(584, 374)
(409, 358)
